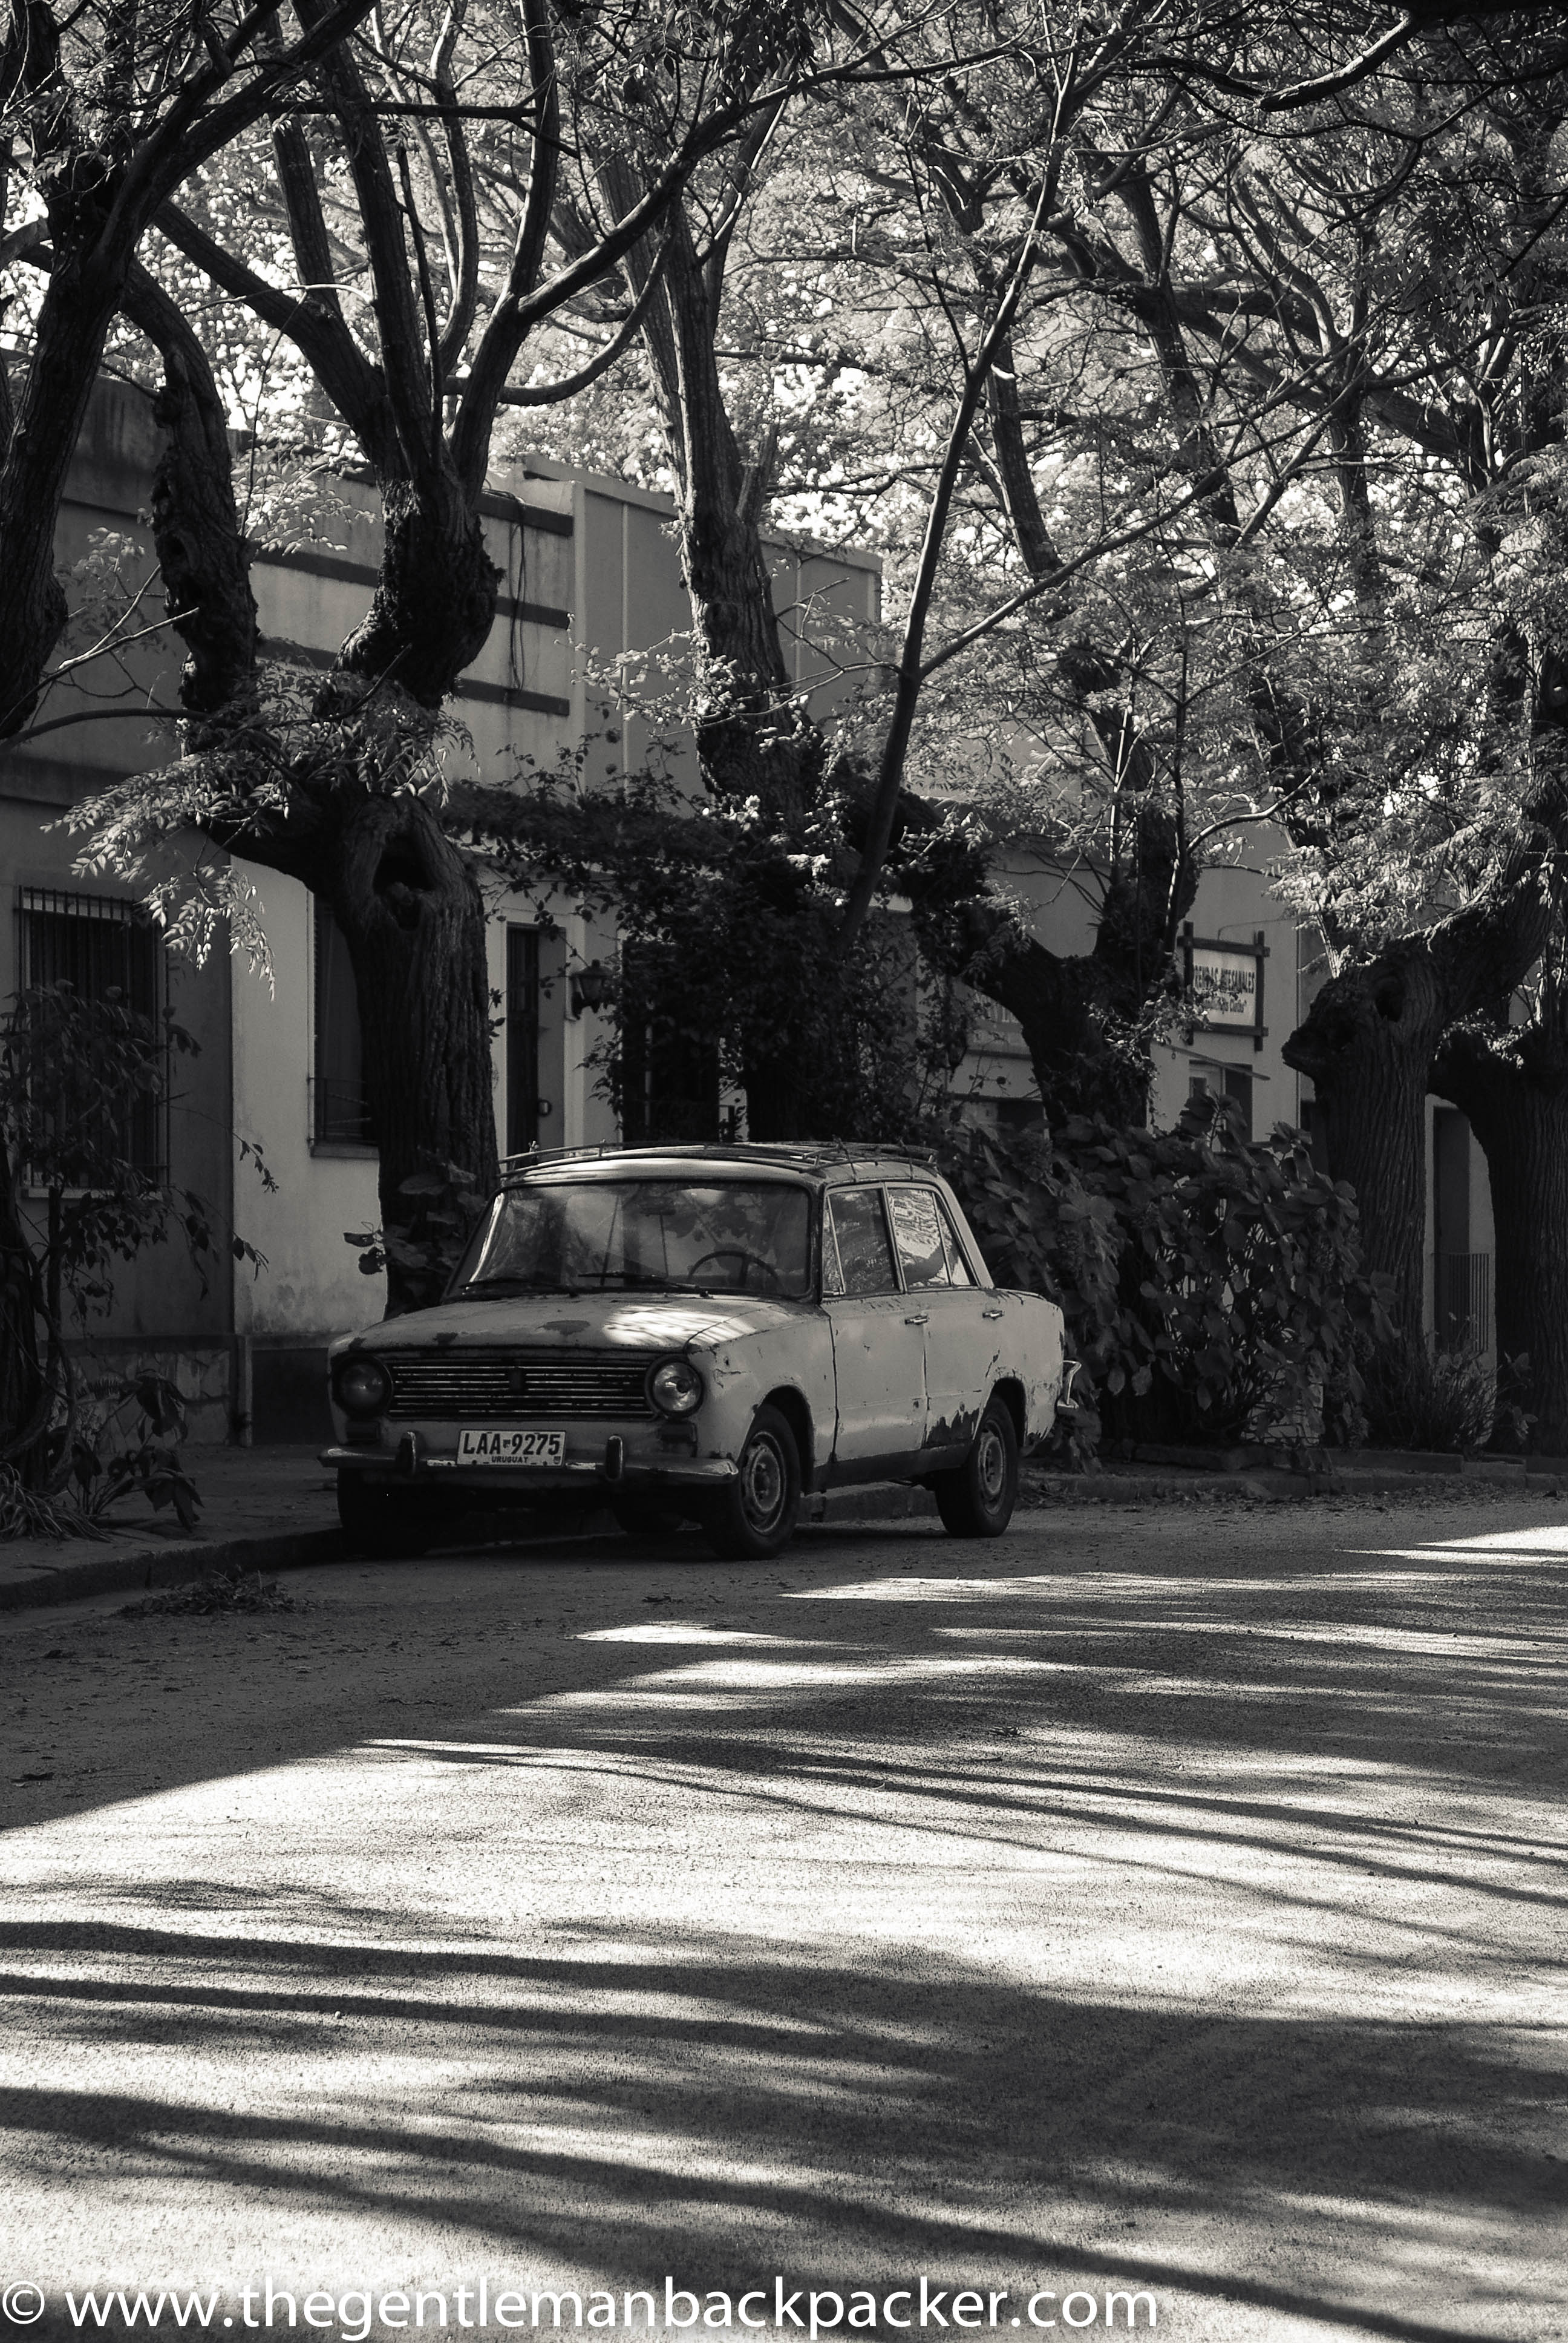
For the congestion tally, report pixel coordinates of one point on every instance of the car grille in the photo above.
(516, 1384)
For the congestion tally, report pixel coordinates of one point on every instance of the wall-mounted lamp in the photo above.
(590, 987)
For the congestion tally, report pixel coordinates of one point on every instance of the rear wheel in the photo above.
(387, 1523)
(977, 1498)
(756, 1516)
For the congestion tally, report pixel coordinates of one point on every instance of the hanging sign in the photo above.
(1225, 984)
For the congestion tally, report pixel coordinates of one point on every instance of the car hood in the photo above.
(635, 1322)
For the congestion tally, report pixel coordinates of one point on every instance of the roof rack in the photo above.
(797, 1153)
(557, 1154)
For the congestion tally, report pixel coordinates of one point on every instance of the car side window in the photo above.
(832, 1268)
(923, 1240)
(958, 1267)
(860, 1230)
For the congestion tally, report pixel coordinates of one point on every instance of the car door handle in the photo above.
(919, 1319)
(991, 1314)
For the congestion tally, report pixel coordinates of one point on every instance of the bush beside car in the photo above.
(1213, 1284)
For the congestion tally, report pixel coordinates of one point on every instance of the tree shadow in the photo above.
(731, 2112)
(1342, 1769)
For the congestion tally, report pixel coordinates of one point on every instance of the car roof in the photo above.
(821, 1162)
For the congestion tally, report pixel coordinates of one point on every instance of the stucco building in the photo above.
(591, 574)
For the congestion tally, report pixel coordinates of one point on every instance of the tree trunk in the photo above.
(68, 346)
(750, 742)
(435, 601)
(202, 551)
(777, 1099)
(414, 921)
(402, 893)
(1516, 1099)
(1084, 1015)
(21, 1369)
(1368, 1042)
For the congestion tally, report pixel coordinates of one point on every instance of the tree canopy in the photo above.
(1197, 371)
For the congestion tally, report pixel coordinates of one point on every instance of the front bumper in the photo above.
(412, 1461)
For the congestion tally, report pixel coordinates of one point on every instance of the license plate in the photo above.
(506, 1443)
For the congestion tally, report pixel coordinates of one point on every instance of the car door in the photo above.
(960, 1341)
(878, 1340)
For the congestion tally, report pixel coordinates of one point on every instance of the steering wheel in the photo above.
(745, 1261)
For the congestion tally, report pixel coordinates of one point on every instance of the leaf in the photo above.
(406, 1256)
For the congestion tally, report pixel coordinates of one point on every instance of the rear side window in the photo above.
(928, 1244)
(859, 1230)
(958, 1267)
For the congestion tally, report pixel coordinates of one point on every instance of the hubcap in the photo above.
(991, 1464)
(763, 1482)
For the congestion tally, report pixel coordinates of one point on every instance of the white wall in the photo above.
(1233, 903)
(312, 1284)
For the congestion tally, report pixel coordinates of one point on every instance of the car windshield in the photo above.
(666, 1235)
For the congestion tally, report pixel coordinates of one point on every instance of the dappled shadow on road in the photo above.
(1445, 1655)
(1015, 1919)
(723, 2113)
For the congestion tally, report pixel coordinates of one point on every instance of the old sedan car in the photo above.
(714, 1334)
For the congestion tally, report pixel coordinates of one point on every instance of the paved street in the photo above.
(1162, 1898)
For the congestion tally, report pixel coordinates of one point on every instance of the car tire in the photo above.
(388, 1524)
(977, 1498)
(757, 1514)
(646, 1521)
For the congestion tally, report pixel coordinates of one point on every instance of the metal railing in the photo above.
(339, 1115)
(1461, 1300)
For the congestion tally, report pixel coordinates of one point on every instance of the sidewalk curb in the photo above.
(1274, 1488)
(138, 1569)
(142, 1569)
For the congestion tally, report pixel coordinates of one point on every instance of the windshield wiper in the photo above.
(630, 1282)
(481, 1289)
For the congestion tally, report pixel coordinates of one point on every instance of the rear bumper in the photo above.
(613, 1472)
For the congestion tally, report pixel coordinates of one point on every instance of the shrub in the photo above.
(1213, 1284)
(148, 1458)
(77, 1077)
(1420, 1396)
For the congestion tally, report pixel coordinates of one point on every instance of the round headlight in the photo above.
(363, 1386)
(675, 1386)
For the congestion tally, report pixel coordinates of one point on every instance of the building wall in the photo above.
(165, 1303)
(591, 573)
(1233, 906)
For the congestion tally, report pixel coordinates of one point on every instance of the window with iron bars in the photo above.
(340, 1105)
(101, 948)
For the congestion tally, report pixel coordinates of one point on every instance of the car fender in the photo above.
(1032, 1352)
(740, 1371)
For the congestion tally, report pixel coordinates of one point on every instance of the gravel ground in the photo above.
(1163, 1897)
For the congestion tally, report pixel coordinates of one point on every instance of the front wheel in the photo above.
(977, 1498)
(388, 1524)
(756, 1516)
